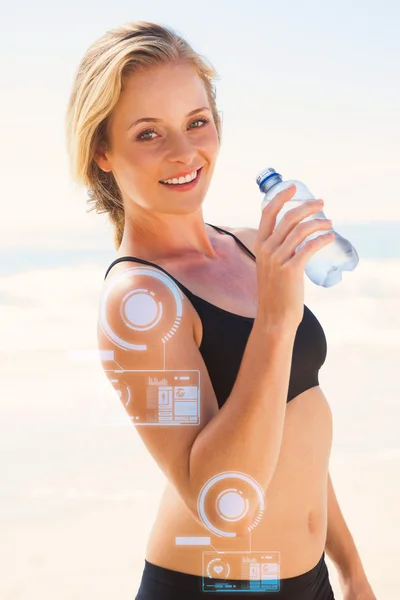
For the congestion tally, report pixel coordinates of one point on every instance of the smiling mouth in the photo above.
(185, 183)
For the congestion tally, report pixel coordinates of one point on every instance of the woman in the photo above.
(247, 474)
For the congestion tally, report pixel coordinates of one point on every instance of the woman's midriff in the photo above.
(295, 518)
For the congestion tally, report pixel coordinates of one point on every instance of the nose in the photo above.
(182, 150)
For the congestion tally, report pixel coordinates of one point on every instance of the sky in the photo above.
(311, 89)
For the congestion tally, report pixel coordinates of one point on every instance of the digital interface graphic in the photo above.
(259, 571)
(162, 397)
(148, 317)
(223, 503)
(224, 497)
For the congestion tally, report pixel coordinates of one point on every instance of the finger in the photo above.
(289, 222)
(301, 258)
(271, 211)
(298, 235)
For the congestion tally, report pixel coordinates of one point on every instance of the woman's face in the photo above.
(142, 154)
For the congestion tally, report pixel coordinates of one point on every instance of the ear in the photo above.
(101, 159)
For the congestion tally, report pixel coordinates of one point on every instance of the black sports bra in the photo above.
(225, 336)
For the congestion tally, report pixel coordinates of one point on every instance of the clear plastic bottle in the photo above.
(325, 267)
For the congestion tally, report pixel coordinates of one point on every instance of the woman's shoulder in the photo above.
(247, 235)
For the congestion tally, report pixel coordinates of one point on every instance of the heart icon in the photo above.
(218, 569)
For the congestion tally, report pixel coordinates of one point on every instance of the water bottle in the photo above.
(325, 267)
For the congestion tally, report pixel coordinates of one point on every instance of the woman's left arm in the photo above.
(342, 551)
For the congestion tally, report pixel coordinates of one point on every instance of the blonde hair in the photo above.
(98, 82)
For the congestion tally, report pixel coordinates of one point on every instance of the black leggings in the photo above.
(159, 583)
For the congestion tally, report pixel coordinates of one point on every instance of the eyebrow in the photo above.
(154, 120)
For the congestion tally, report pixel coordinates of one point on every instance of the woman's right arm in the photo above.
(246, 433)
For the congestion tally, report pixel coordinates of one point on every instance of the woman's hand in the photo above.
(280, 270)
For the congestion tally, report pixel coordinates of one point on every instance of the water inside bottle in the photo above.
(326, 266)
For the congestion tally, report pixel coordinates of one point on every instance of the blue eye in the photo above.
(148, 131)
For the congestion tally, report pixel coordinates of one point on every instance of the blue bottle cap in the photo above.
(266, 174)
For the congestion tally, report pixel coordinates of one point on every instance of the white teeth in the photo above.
(181, 180)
